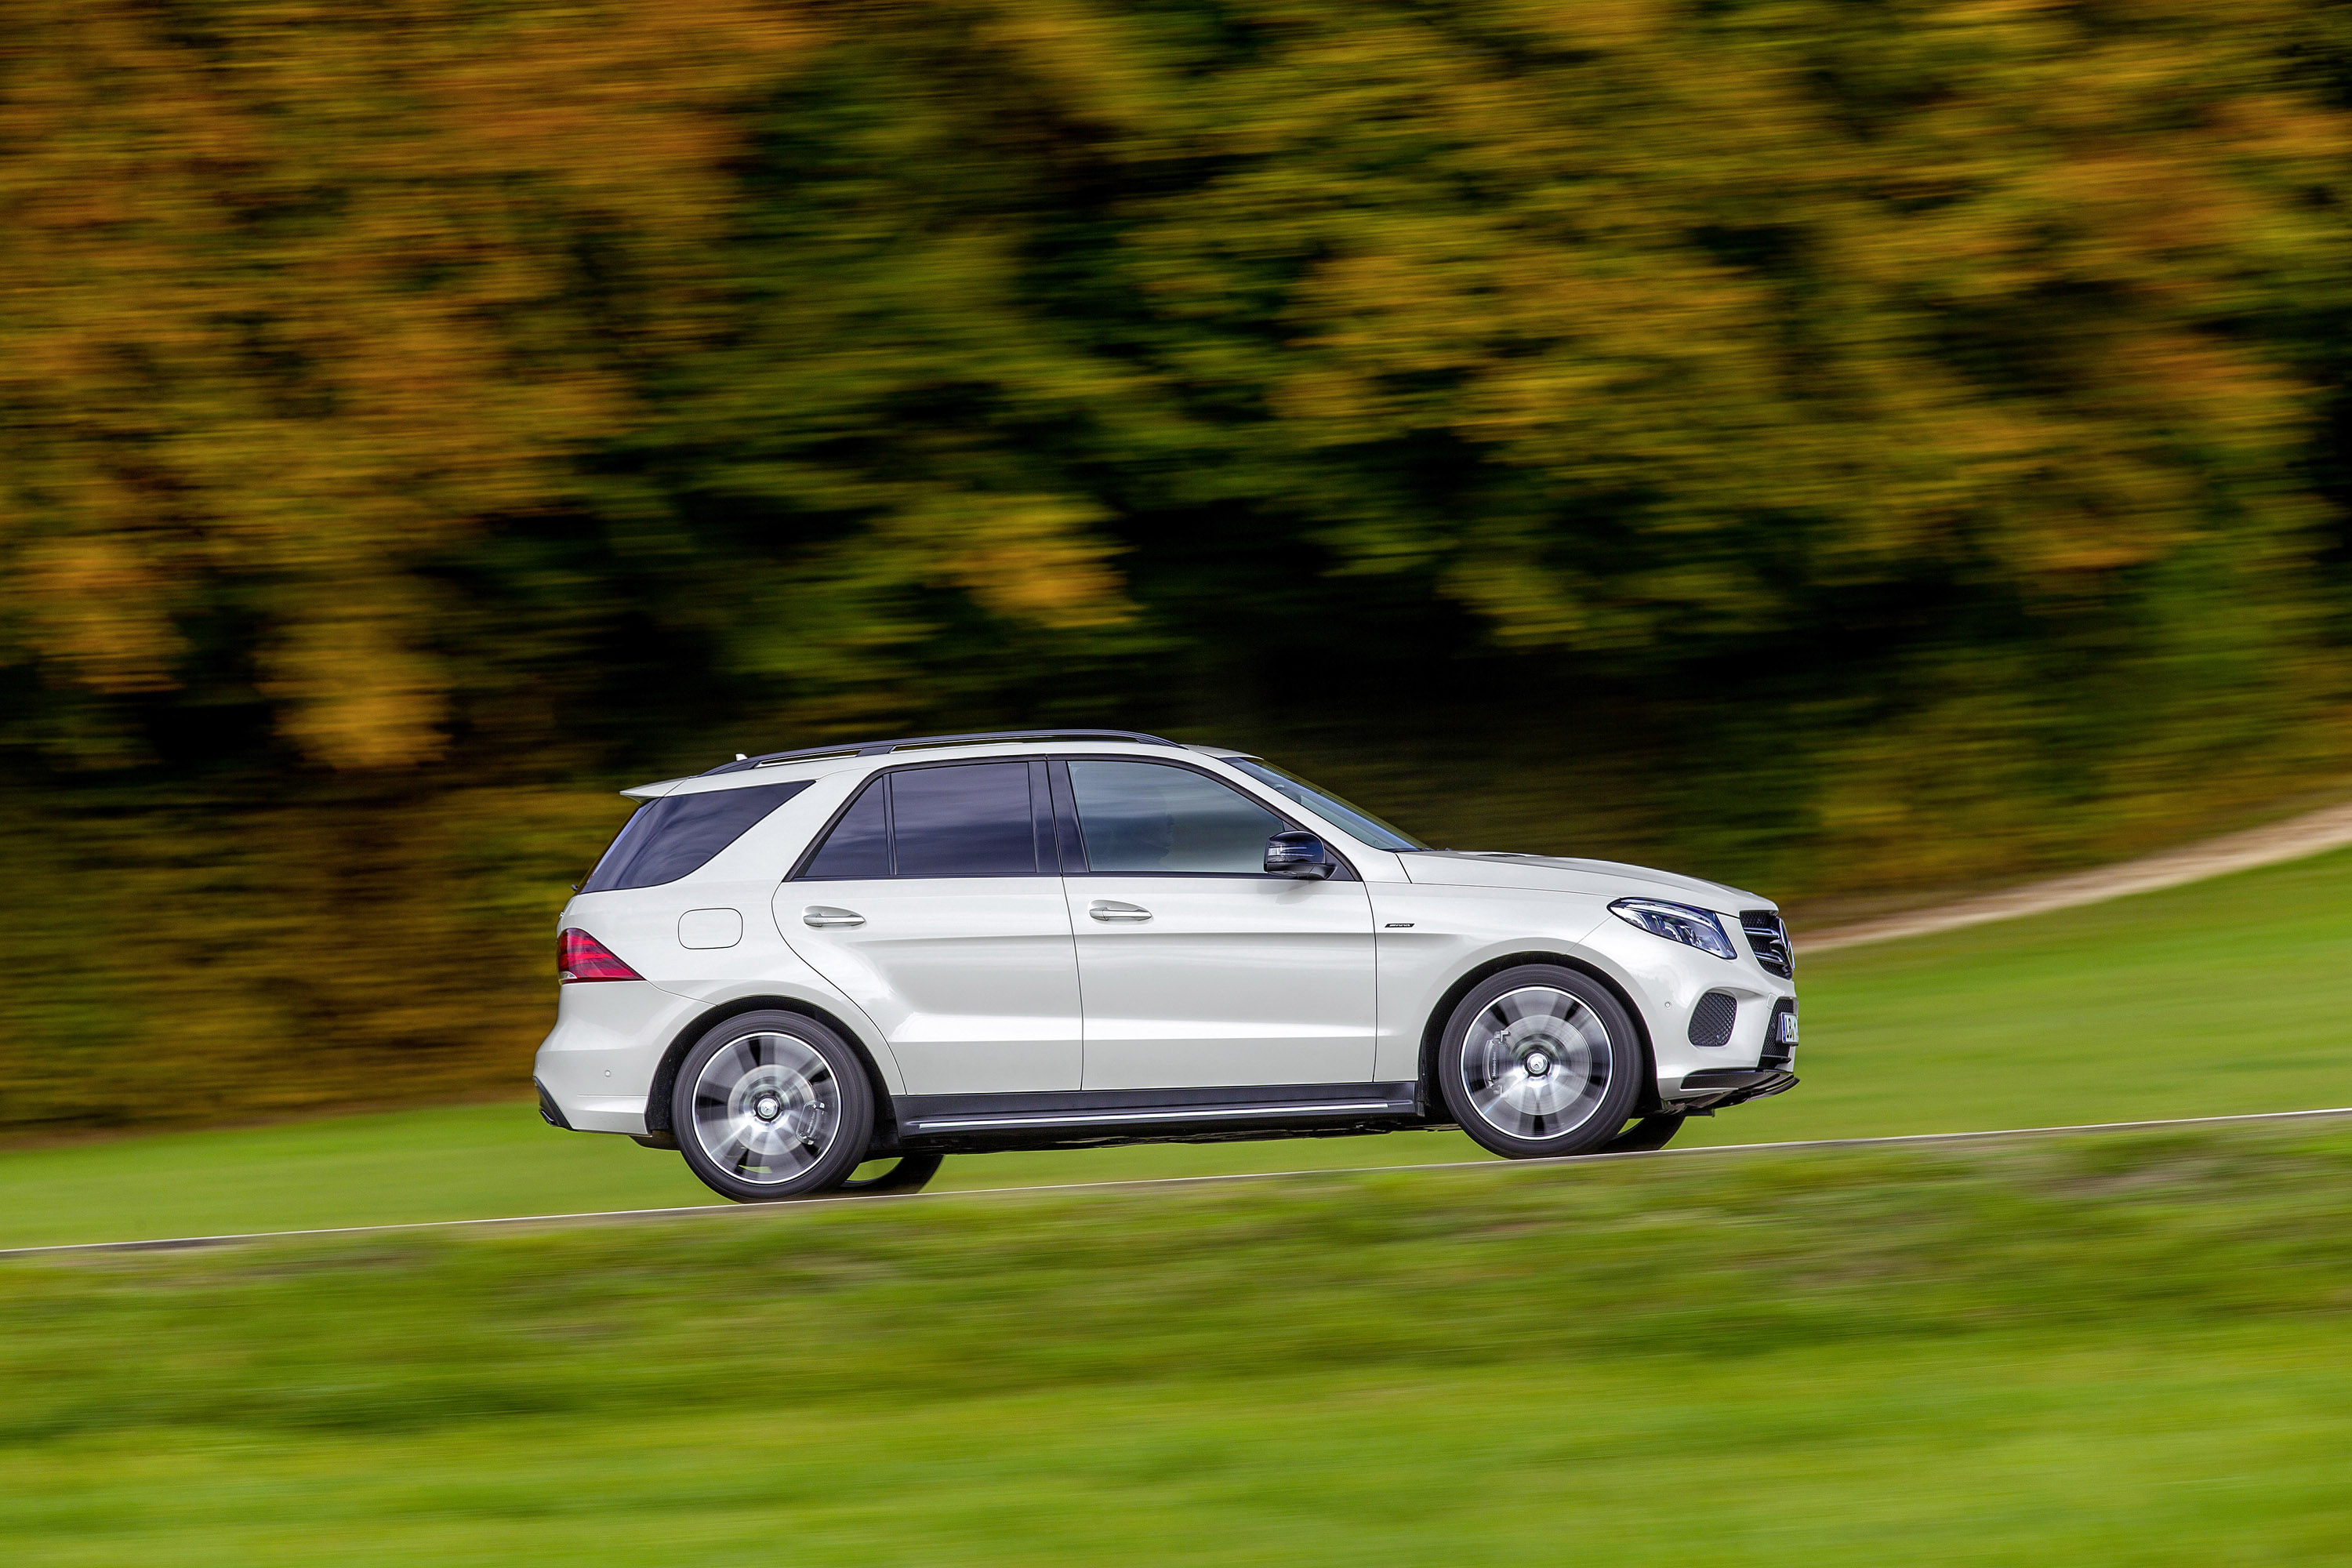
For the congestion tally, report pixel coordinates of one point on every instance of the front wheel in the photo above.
(771, 1106)
(1540, 1061)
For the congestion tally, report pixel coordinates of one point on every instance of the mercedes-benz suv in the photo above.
(821, 970)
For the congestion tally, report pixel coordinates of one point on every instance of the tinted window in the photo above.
(1140, 817)
(678, 836)
(859, 844)
(969, 820)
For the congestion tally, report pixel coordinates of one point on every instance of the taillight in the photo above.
(579, 956)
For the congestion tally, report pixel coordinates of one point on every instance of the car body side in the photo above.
(1440, 921)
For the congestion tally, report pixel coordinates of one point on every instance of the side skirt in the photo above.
(1078, 1119)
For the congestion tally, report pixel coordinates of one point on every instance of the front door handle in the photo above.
(1112, 909)
(826, 915)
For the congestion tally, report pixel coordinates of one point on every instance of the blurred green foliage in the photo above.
(1833, 446)
(2128, 1350)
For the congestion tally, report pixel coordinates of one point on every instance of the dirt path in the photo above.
(2289, 840)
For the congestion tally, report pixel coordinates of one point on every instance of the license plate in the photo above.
(1788, 1029)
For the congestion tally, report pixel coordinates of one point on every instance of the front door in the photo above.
(933, 902)
(1199, 970)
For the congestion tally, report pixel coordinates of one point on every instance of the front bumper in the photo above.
(1703, 1014)
(1717, 1088)
(1712, 1088)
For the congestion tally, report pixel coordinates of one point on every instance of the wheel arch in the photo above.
(665, 1079)
(1433, 1100)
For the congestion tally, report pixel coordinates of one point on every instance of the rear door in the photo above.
(933, 901)
(1199, 969)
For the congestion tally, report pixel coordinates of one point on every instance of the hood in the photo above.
(1560, 873)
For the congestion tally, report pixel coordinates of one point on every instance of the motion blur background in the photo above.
(1851, 450)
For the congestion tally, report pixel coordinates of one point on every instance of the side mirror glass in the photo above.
(1299, 854)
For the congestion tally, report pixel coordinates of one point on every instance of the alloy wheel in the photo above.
(766, 1108)
(1536, 1063)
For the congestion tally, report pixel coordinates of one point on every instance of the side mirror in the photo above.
(1299, 855)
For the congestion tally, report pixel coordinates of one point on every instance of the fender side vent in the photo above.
(1712, 1019)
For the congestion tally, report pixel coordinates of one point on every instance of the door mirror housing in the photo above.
(1299, 854)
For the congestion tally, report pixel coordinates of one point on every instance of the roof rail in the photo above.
(878, 748)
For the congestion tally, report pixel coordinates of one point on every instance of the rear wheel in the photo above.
(771, 1106)
(907, 1173)
(1540, 1061)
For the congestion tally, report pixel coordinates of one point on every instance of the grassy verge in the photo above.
(2213, 999)
(2220, 997)
(2127, 1349)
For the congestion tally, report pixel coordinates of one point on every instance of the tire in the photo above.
(911, 1175)
(770, 1106)
(1540, 1061)
(1649, 1133)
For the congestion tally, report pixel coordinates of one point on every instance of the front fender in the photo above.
(1434, 941)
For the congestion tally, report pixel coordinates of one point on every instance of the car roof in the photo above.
(912, 742)
(812, 762)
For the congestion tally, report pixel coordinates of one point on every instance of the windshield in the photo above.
(1326, 804)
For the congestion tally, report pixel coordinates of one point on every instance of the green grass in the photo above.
(2223, 996)
(2213, 999)
(2130, 1350)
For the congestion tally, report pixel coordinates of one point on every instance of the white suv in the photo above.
(794, 964)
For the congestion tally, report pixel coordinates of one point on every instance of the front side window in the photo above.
(970, 819)
(1142, 817)
(678, 835)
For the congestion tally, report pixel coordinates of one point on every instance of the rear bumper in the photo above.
(549, 1112)
(596, 1065)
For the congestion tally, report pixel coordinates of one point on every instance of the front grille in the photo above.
(1768, 939)
(1712, 1019)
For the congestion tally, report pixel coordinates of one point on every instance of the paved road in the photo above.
(730, 1211)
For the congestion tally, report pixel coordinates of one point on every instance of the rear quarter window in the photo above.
(678, 835)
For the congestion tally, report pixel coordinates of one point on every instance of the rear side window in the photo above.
(970, 819)
(678, 836)
(859, 844)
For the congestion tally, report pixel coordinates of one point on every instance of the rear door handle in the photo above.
(826, 915)
(1112, 909)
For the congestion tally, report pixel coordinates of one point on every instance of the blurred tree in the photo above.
(299, 296)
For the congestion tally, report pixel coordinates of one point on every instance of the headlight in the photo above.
(1677, 922)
